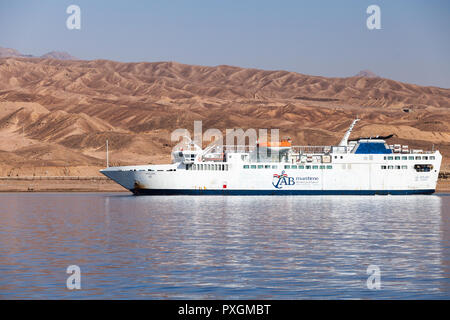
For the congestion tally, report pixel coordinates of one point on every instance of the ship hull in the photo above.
(353, 175)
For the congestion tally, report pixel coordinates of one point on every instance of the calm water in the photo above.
(224, 247)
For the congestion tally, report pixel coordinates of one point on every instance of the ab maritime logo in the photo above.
(279, 180)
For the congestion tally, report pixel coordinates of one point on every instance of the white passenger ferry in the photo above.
(365, 166)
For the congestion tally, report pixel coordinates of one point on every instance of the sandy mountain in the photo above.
(73, 106)
(60, 55)
(8, 52)
(366, 74)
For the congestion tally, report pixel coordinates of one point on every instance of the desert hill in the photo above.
(367, 74)
(61, 55)
(55, 115)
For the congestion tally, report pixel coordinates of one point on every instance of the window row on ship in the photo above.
(207, 166)
(261, 166)
(409, 157)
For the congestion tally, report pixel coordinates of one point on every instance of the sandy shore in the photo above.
(443, 186)
(94, 184)
(60, 184)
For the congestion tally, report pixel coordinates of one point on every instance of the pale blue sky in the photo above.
(321, 37)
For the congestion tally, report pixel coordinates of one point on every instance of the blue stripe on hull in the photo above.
(167, 192)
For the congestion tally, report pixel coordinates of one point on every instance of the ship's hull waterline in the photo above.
(175, 192)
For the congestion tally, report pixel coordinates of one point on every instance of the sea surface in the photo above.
(224, 247)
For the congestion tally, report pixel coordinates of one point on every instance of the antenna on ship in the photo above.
(344, 141)
(107, 154)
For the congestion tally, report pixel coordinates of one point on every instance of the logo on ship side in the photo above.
(280, 180)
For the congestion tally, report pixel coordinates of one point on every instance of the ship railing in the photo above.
(311, 149)
(237, 148)
(294, 149)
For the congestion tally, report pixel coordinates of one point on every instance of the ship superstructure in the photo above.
(365, 166)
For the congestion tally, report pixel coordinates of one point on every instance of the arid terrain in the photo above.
(55, 115)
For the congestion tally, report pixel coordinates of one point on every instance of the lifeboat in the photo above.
(283, 145)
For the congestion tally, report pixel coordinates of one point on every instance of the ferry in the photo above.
(363, 166)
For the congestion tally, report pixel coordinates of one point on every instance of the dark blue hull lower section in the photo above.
(167, 192)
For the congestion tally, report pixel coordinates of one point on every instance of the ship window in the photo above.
(260, 166)
(253, 166)
(404, 158)
(322, 167)
(410, 158)
(423, 167)
(385, 158)
(417, 158)
(301, 167)
(397, 167)
(226, 167)
(274, 167)
(424, 158)
(390, 167)
(308, 167)
(267, 166)
(342, 157)
(404, 167)
(294, 167)
(431, 157)
(315, 167)
(329, 167)
(246, 166)
(383, 167)
(287, 166)
(335, 157)
(397, 158)
(390, 158)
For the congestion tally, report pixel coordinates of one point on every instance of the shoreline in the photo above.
(59, 184)
(96, 184)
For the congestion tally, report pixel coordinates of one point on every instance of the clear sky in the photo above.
(317, 37)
